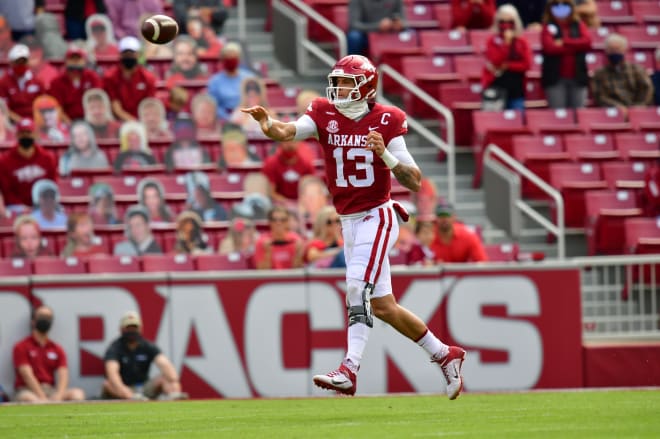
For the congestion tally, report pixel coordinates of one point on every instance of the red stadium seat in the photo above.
(533, 37)
(644, 58)
(232, 261)
(438, 42)
(428, 73)
(113, 264)
(642, 236)
(15, 267)
(591, 147)
(641, 37)
(442, 13)
(123, 186)
(157, 263)
(624, 175)
(638, 146)
(537, 152)
(53, 265)
(389, 48)
(469, 67)
(507, 252)
(420, 16)
(646, 11)
(478, 39)
(595, 60)
(606, 212)
(462, 98)
(644, 118)
(573, 180)
(598, 36)
(174, 186)
(548, 120)
(73, 187)
(602, 119)
(615, 12)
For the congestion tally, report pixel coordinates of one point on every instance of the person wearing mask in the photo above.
(19, 87)
(139, 239)
(565, 40)
(620, 83)
(472, 14)
(128, 83)
(454, 242)
(40, 364)
(27, 239)
(225, 86)
(70, 85)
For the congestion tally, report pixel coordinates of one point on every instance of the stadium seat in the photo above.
(604, 222)
(548, 120)
(573, 180)
(602, 119)
(428, 73)
(441, 42)
(462, 98)
(598, 36)
(615, 12)
(643, 58)
(624, 175)
(537, 152)
(15, 267)
(123, 186)
(533, 37)
(174, 186)
(646, 11)
(642, 235)
(638, 146)
(420, 16)
(389, 48)
(113, 264)
(595, 60)
(507, 252)
(157, 263)
(442, 14)
(469, 67)
(48, 265)
(644, 118)
(641, 37)
(73, 187)
(232, 261)
(478, 39)
(591, 147)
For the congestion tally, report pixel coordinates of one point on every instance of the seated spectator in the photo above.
(651, 192)
(454, 242)
(241, 238)
(127, 363)
(185, 65)
(200, 199)
(151, 196)
(208, 44)
(22, 166)
(285, 169)
(102, 208)
(185, 152)
(6, 42)
(234, 151)
(325, 249)
(587, 10)
(80, 239)
(101, 36)
(225, 86)
(472, 14)
(139, 239)
(125, 15)
(47, 209)
(313, 195)
(426, 199)
(151, 113)
(40, 364)
(70, 85)
(177, 104)
(420, 252)
(27, 239)
(128, 83)
(7, 131)
(18, 86)
(508, 57)
(655, 79)
(280, 248)
(365, 16)
(620, 83)
(211, 12)
(565, 41)
(190, 236)
(98, 114)
(48, 120)
(253, 92)
(41, 68)
(204, 111)
(133, 148)
(83, 152)
(76, 14)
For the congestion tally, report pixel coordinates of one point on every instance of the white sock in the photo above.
(433, 345)
(358, 334)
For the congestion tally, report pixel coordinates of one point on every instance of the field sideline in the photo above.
(598, 414)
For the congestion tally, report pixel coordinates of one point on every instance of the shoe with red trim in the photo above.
(451, 367)
(342, 380)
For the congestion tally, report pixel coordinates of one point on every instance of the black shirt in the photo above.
(133, 364)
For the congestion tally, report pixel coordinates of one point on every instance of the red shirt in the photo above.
(44, 360)
(46, 72)
(569, 47)
(20, 173)
(286, 176)
(70, 94)
(281, 255)
(472, 16)
(129, 91)
(497, 53)
(19, 99)
(465, 246)
(357, 178)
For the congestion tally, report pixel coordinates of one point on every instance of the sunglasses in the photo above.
(330, 222)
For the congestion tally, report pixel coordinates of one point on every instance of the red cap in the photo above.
(75, 51)
(25, 124)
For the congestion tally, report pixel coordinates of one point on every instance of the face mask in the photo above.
(26, 142)
(128, 63)
(19, 69)
(230, 64)
(615, 58)
(130, 336)
(506, 25)
(561, 10)
(43, 325)
(74, 68)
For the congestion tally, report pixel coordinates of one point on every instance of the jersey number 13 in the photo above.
(362, 159)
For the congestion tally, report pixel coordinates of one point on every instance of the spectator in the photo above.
(313, 195)
(133, 148)
(234, 152)
(7, 132)
(200, 199)
(128, 83)
(253, 92)
(83, 152)
(101, 37)
(185, 64)
(530, 12)
(426, 199)
(177, 104)
(565, 41)
(22, 166)
(27, 239)
(285, 169)
(651, 192)
(42, 69)
(225, 86)
(241, 238)
(18, 86)
(508, 57)
(70, 85)
(211, 12)
(49, 34)
(420, 252)
(40, 364)
(190, 236)
(280, 248)
(325, 249)
(152, 116)
(76, 14)
(472, 14)
(139, 239)
(80, 239)
(185, 152)
(367, 16)
(20, 16)
(102, 208)
(454, 242)
(620, 83)
(208, 45)
(47, 209)
(151, 196)
(48, 120)
(127, 362)
(587, 10)
(125, 14)
(98, 114)
(256, 203)
(204, 113)
(6, 42)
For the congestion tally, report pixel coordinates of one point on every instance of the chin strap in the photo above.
(353, 110)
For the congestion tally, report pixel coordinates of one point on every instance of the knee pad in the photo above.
(358, 302)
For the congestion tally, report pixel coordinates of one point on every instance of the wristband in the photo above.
(269, 122)
(389, 159)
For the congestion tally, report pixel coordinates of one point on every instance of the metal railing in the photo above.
(448, 146)
(559, 229)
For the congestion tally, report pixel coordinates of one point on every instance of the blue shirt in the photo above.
(226, 90)
(58, 221)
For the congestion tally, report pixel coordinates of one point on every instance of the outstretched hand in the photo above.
(257, 112)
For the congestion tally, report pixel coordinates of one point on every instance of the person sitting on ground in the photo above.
(280, 248)
(80, 240)
(151, 195)
(325, 249)
(190, 236)
(83, 152)
(27, 239)
(96, 105)
(454, 242)
(134, 150)
(102, 208)
(139, 239)
(48, 120)
(47, 209)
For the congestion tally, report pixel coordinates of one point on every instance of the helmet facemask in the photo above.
(352, 93)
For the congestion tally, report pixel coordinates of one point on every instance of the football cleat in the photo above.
(451, 367)
(341, 380)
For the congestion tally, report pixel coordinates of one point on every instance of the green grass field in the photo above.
(598, 414)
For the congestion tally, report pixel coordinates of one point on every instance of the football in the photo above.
(159, 29)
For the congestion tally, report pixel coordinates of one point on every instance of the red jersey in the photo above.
(286, 176)
(20, 173)
(44, 360)
(282, 254)
(465, 246)
(129, 91)
(357, 178)
(20, 96)
(69, 93)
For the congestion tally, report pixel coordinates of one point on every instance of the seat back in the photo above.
(444, 41)
(231, 261)
(170, 262)
(548, 120)
(621, 175)
(15, 267)
(113, 264)
(506, 252)
(54, 265)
